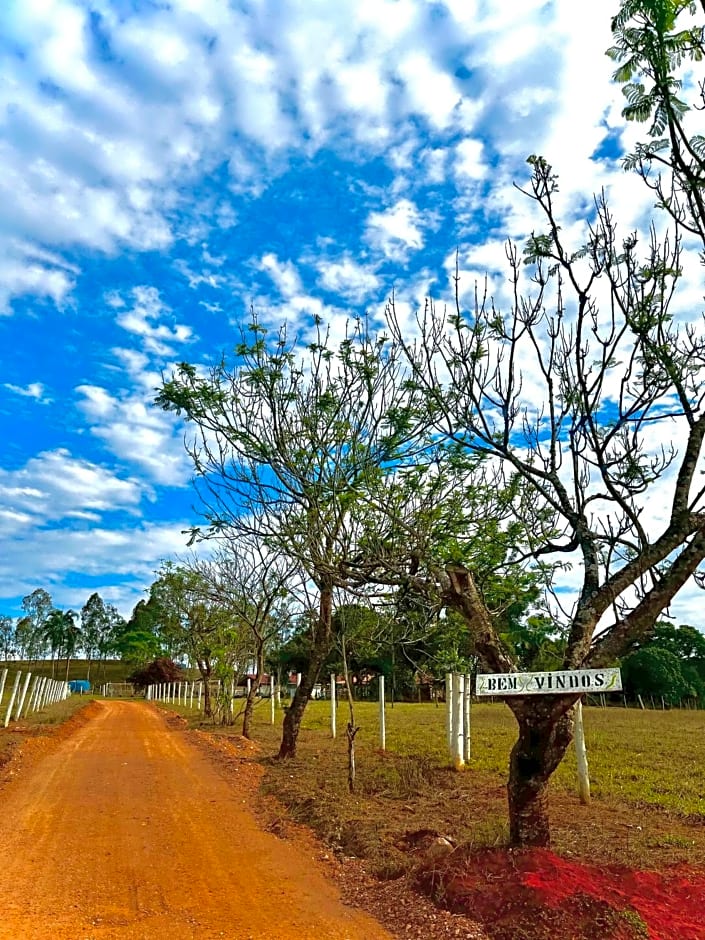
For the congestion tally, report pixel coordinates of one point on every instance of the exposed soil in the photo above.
(121, 823)
(120, 827)
(535, 894)
(619, 872)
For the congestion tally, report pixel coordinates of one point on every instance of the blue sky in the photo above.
(164, 165)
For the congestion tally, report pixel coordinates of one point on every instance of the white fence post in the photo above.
(38, 698)
(31, 695)
(382, 721)
(581, 756)
(449, 711)
(466, 718)
(333, 705)
(458, 688)
(8, 713)
(3, 679)
(32, 704)
(272, 703)
(200, 690)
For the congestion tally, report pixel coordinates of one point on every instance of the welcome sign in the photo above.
(575, 681)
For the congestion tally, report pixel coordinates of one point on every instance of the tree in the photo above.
(7, 637)
(578, 400)
(72, 638)
(254, 587)
(63, 635)
(655, 671)
(37, 607)
(687, 646)
(685, 642)
(283, 450)
(139, 639)
(161, 670)
(197, 625)
(95, 627)
(53, 632)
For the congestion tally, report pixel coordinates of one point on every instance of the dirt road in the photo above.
(126, 830)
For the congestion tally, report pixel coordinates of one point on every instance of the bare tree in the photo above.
(285, 445)
(587, 390)
(255, 587)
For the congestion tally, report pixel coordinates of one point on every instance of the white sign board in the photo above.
(575, 681)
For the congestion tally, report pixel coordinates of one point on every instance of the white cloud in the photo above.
(34, 390)
(62, 560)
(431, 91)
(468, 160)
(55, 485)
(136, 432)
(24, 269)
(396, 231)
(284, 275)
(347, 278)
(156, 338)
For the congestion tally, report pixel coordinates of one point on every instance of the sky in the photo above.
(164, 166)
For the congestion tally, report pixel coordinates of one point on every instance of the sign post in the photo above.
(568, 682)
(575, 682)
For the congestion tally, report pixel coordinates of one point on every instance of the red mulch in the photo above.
(536, 894)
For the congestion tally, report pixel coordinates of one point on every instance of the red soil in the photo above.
(539, 895)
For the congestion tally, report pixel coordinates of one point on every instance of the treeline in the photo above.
(670, 666)
(44, 631)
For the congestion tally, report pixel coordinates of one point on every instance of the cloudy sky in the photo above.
(163, 166)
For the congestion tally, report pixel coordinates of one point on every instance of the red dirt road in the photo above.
(126, 830)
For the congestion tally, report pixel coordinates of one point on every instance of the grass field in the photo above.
(647, 770)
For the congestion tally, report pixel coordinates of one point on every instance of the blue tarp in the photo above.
(80, 685)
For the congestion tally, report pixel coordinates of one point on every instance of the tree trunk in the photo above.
(320, 649)
(252, 694)
(204, 667)
(352, 729)
(545, 731)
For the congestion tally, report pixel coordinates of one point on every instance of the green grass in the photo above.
(639, 757)
(654, 757)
